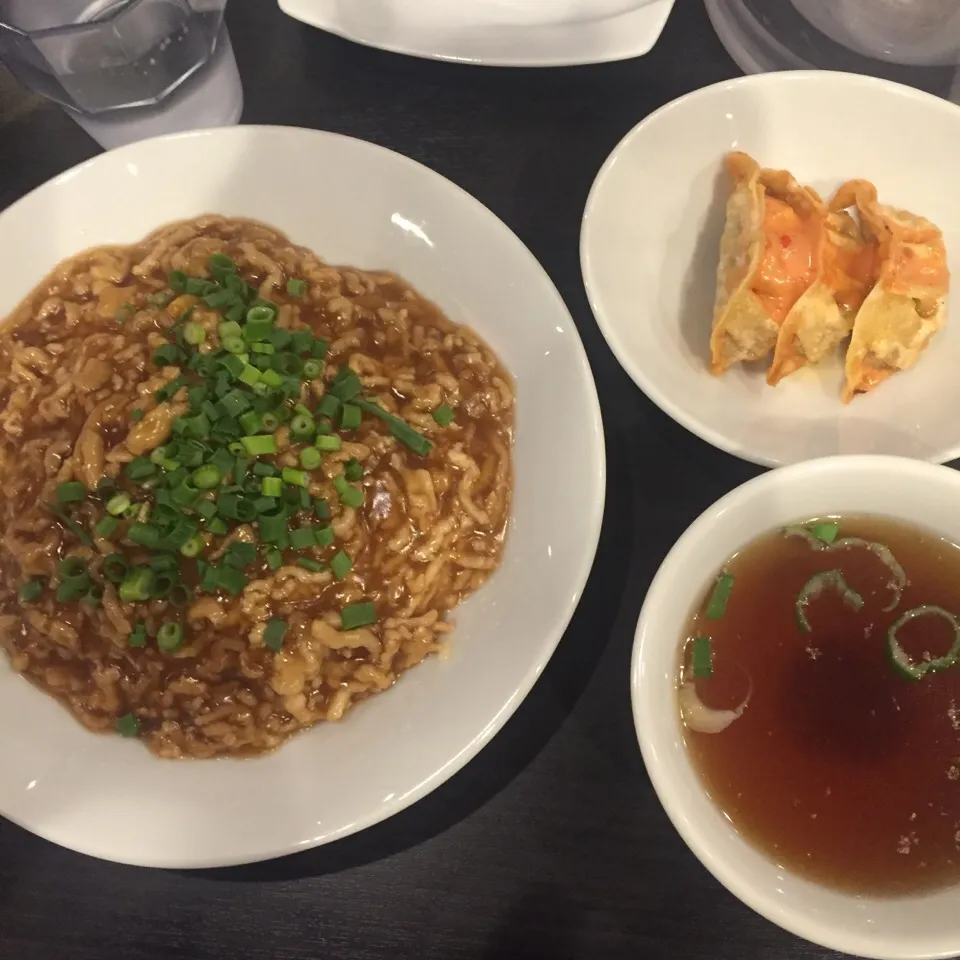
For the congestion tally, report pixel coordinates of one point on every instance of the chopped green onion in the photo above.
(443, 415)
(70, 567)
(236, 346)
(271, 486)
(206, 477)
(274, 559)
(302, 427)
(259, 445)
(302, 538)
(353, 470)
(296, 287)
(220, 261)
(124, 313)
(31, 590)
(234, 403)
(139, 469)
(310, 458)
(328, 444)
(825, 532)
(812, 589)
(328, 405)
(138, 636)
(261, 313)
(271, 378)
(312, 369)
(170, 636)
(295, 477)
(144, 534)
(128, 725)
(115, 567)
(257, 330)
(193, 546)
(917, 669)
(117, 504)
(166, 356)
(229, 329)
(232, 580)
(70, 492)
(349, 496)
(341, 564)
(107, 527)
(722, 589)
(136, 414)
(269, 423)
(193, 333)
(251, 422)
(177, 281)
(137, 586)
(702, 660)
(358, 615)
(94, 595)
(324, 536)
(417, 442)
(347, 388)
(274, 633)
(73, 588)
(240, 554)
(272, 528)
(350, 416)
(321, 508)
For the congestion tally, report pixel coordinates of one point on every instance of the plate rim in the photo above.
(642, 47)
(593, 423)
(607, 329)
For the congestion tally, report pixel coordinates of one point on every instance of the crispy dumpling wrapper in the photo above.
(823, 316)
(768, 260)
(907, 303)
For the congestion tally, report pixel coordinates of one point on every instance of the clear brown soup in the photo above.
(838, 768)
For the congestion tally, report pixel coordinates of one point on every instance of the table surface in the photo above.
(550, 845)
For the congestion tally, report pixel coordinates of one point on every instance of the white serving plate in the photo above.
(355, 203)
(650, 240)
(507, 33)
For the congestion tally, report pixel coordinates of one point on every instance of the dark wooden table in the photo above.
(551, 844)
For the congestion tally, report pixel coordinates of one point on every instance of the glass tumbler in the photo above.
(126, 69)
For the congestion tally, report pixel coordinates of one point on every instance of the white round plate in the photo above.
(494, 33)
(651, 234)
(354, 203)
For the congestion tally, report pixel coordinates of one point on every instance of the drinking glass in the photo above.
(126, 69)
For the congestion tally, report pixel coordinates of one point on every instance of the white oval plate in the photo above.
(494, 33)
(353, 203)
(651, 234)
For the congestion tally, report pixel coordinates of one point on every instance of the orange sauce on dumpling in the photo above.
(787, 268)
(917, 265)
(850, 271)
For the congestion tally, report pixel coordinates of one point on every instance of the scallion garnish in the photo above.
(358, 615)
(702, 658)
(722, 589)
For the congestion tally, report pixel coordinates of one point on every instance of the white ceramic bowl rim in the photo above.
(925, 494)
(110, 798)
(648, 250)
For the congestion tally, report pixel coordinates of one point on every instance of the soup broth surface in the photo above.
(838, 768)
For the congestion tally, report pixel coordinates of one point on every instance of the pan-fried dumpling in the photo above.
(768, 260)
(823, 316)
(907, 303)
